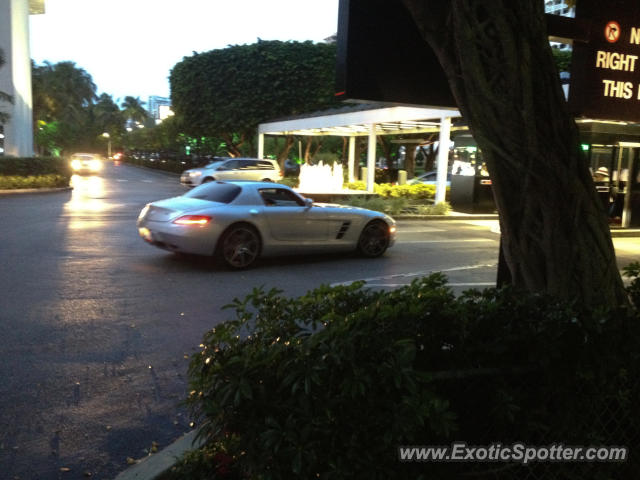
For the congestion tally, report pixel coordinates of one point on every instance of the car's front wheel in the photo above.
(374, 239)
(240, 246)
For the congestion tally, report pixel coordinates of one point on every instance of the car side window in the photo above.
(230, 165)
(248, 164)
(280, 197)
(262, 165)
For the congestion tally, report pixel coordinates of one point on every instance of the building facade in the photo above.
(16, 134)
(159, 108)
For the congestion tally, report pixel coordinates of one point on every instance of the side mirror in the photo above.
(308, 202)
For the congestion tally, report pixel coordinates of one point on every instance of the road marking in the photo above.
(423, 273)
(121, 180)
(147, 181)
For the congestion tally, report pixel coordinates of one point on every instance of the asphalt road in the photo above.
(96, 326)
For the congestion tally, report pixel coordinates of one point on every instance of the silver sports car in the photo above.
(240, 221)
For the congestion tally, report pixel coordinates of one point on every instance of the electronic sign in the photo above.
(605, 71)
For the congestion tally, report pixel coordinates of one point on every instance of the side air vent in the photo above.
(343, 229)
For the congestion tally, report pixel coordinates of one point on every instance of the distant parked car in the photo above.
(85, 162)
(291, 167)
(241, 221)
(428, 178)
(233, 169)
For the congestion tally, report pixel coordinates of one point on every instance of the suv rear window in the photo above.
(215, 192)
(263, 165)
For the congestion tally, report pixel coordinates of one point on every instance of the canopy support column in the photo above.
(371, 158)
(261, 145)
(352, 157)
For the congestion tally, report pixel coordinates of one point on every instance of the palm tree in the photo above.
(4, 97)
(133, 109)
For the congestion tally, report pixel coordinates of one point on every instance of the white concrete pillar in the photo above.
(352, 159)
(261, 145)
(443, 159)
(371, 158)
(15, 77)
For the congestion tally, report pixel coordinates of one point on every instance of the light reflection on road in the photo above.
(87, 195)
(87, 200)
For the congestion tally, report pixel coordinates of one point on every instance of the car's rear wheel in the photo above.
(208, 179)
(240, 246)
(374, 239)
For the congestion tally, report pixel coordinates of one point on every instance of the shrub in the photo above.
(356, 186)
(289, 181)
(37, 172)
(393, 206)
(34, 166)
(12, 182)
(442, 208)
(328, 385)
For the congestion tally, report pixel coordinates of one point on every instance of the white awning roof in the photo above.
(356, 121)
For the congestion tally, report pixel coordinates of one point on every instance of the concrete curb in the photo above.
(152, 466)
(453, 216)
(17, 191)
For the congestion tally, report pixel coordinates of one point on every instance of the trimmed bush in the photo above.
(12, 182)
(418, 191)
(330, 384)
(37, 172)
(34, 166)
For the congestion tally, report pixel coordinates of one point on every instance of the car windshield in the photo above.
(215, 192)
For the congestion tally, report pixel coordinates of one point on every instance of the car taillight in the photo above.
(193, 220)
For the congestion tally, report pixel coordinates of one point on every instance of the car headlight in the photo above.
(95, 165)
(76, 164)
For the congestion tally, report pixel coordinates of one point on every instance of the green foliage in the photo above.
(442, 208)
(418, 191)
(390, 206)
(232, 90)
(132, 109)
(328, 385)
(290, 181)
(12, 182)
(632, 271)
(34, 166)
(562, 58)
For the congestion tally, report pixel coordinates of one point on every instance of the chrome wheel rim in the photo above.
(374, 240)
(240, 247)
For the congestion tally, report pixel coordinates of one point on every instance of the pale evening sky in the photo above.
(130, 46)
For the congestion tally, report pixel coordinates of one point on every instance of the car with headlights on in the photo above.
(85, 162)
(239, 222)
(233, 169)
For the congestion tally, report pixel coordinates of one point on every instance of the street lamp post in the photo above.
(108, 137)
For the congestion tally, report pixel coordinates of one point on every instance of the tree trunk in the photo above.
(284, 153)
(498, 61)
(233, 148)
(410, 159)
(386, 149)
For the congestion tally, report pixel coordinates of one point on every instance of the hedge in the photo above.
(330, 384)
